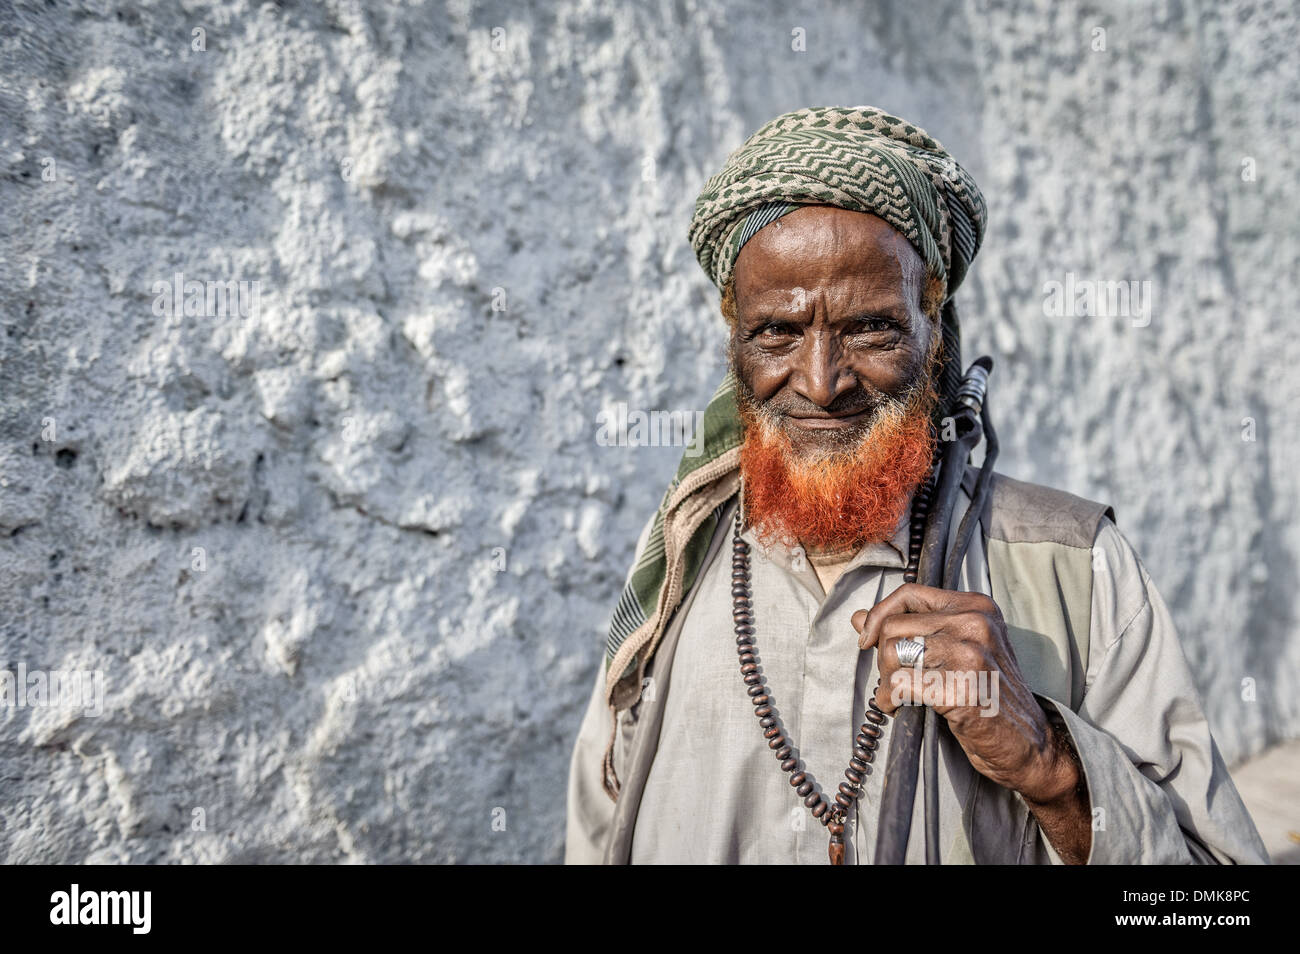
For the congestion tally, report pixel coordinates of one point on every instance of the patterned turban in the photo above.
(861, 159)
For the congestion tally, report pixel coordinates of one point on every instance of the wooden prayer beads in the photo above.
(831, 815)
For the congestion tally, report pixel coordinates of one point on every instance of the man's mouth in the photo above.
(822, 422)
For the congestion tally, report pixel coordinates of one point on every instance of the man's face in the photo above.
(835, 357)
(829, 325)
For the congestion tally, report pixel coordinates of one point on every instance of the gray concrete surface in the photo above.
(345, 562)
(1269, 784)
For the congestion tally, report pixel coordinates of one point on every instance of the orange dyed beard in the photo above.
(842, 499)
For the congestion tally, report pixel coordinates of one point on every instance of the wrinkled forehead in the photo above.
(830, 250)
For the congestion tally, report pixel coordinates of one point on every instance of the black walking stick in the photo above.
(937, 567)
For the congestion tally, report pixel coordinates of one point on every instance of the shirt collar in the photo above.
(887, 553)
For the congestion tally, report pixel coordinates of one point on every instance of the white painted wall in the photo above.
(277, 535)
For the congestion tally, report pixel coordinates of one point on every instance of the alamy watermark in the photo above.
(206, 299)
(1096, 298)
(621, 427)
(53, 689)
(130, 908)
(945, 687)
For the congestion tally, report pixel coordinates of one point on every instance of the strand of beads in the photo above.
(870, 731)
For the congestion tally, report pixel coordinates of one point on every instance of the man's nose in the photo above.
(821, 374)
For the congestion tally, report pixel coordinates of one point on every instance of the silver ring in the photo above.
(911, 652)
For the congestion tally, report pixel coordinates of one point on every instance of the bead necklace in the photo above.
(831, 816)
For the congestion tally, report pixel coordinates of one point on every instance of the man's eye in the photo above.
(874, 324)
(775, 329)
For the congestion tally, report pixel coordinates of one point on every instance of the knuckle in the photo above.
(989, 608)
(970, 658)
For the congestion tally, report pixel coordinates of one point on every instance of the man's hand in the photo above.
(1016, 745)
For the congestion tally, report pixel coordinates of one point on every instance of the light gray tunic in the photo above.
(1158, 788)
(743, 810)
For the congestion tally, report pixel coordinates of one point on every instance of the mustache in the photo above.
(854, 401)
(850, 402)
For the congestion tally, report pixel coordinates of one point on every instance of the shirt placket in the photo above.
(829, 696)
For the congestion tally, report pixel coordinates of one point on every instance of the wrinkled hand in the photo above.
(1011, 742)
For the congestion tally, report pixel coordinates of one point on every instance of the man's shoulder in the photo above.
(1022, 512)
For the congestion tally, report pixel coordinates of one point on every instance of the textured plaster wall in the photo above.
(346, 563)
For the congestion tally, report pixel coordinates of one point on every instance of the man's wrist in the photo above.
(1062, 780)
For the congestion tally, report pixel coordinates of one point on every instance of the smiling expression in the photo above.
(830, 323)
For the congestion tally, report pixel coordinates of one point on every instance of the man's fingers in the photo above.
(907, 624)
(940, 651)
(926, 687)
(903, 687)
(859, 620)
(908, 598)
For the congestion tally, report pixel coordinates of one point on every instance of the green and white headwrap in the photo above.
(861, 159)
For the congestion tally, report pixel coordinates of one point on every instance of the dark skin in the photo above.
(829, 322)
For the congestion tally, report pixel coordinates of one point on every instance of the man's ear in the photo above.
(932, 298)
(728, 303)
(935, 352)
(733, 348)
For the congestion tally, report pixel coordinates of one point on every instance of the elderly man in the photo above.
(837, 238)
